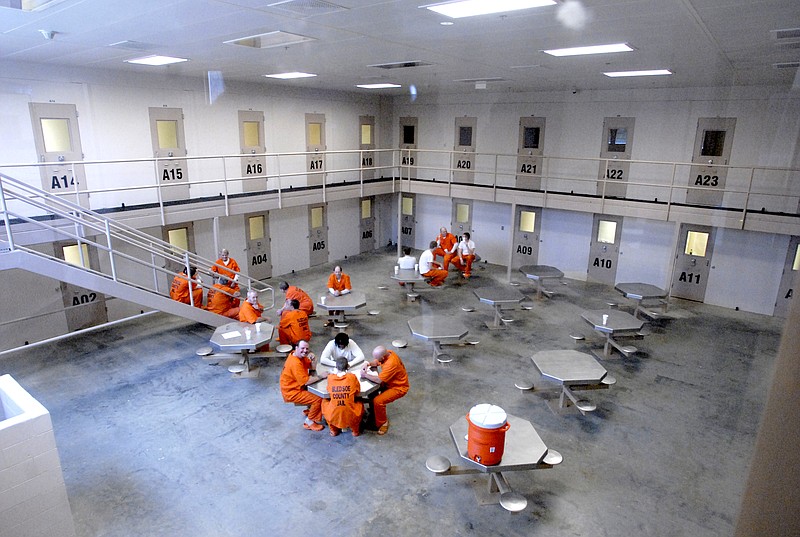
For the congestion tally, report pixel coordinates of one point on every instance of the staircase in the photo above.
(122, 250)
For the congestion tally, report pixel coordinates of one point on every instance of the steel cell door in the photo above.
(366, 137)
(604, 249)
(315, 146)
(367, 225)
(258, 249)
(58, 141)
(318, 234)
(615, 149)
(530, 150)
(83, 307)
(464, 150)
(789, 278)
(407, 223)
(692, 262)
(527, 222)
(169, 143)
(181, 236)
(252, 145)
(712, 151)
(408, 142)
(461, 218)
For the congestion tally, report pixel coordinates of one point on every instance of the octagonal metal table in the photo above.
(438, 329)
(618, 324)
(342, 303)
(642, 294)
(409, 277)
(232, 338)
(321, 386)
(574, 371)
(524, 450)
(539, 273)
(497, 297)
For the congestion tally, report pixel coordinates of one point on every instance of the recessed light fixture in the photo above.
(471, 8)
(383, 85)
(289, 76)
(651, 72)
(447, 23)
(156, 60)
(594, 49)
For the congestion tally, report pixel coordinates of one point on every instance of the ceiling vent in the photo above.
(786, 65)
(399, 65)
(270, 40)
(132, 45)
(306, 8)
(786, 34)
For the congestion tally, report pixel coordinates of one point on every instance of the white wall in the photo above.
(565, 241)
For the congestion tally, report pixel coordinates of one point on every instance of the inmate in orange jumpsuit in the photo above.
(293, 327)
(180, 291)
(293, 386)
(219, 302)
(249, 313)
(229, 270)
(342, 411)
(339, 285)
(445, 248)
(395, 381)
(306, 304)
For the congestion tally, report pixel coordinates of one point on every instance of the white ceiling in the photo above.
(705, 42)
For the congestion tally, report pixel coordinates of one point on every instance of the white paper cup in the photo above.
(322, 300)
(258, 327)
(247, 333)
(416, 267)
(605, 319)
(396, 269)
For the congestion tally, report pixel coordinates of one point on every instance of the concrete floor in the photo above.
(157, 441)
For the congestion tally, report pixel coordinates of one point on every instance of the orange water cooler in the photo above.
(486, 437)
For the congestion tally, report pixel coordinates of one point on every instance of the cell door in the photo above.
(367, 224)
(692, 262)
(169, 143)
(315, 145)
(83, 307)
(259, 261)
(789, 278)
(58, 141)
(530, 149)
(712, 150)
(366, 143)
(464, 150)
(615, 149)
(318, 234)
(407, 224)
(181, 237)
(527, 222)
(251, 144)
(408, 142)
(461, 218)
(604, 249)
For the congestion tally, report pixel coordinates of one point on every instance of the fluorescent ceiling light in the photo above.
(595, 49)
(470, 8)
(651, 72)
(287, 76)
(378, 86)
(156, 60)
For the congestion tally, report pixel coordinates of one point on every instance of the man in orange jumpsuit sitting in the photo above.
(338, 285)
(298, 372)
(342, 410)
(223, 299)
(228, 267)
(293, 326)
(294, 292)
(179, 290)
(446, 244)
(393, 380)
(429, 269)
(466, 255)
(251, 311)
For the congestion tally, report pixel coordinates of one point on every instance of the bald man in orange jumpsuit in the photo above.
(296, 375)
(219, 299)
(294, 292)
(446, 244)
(179, 291)
(342, 410)
(393, 379)
(226, 266)
(251, 311)
(294, 325)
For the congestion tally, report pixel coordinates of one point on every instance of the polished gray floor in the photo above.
(157, 441)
